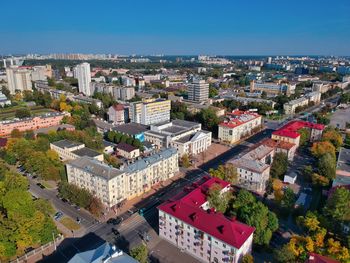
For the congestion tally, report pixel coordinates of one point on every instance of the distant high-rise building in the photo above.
(198, 90)
(269, 60)
(83, 74)
(18, 79)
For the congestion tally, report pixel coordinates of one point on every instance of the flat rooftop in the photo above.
(86, 152)
(131, 128)
(66, 144)
(344, 160)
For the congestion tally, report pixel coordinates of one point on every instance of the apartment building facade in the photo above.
(186, 136)
(253, 168)
(312, 97)
(237, 125)
(117, 114)
(112, 185)
(150, 111)
(272, 88)
(31, 123)
(83, 74)
(198, 90)
(190, 224)
(18, 79)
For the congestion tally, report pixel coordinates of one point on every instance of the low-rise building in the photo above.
(188, 222)
(312, 97)
(186, 136)
(343, 168)
(127, 151)
(118, 114)
(272, 88)
(105, 253)
(43, 86)
(4, 101)
(237, 125)
(113, 186)
(31, 123)
(289, 132)
(287, 148)
(253, 168)
(68, 150)
(135, 130)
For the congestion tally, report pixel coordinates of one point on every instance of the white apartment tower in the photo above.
(83, 75)
(198, 90)
(18, 79)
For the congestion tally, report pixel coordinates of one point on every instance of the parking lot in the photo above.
(340, 117)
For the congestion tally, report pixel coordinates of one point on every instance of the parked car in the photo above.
(58, 215)
(40, 185)
(116, 232)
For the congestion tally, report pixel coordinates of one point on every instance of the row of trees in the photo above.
(24, 222)
(118, 137)
(230, 105)
(325, 154)
(36, 157)
(80, 197)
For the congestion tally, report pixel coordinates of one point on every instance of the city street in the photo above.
(133, 226)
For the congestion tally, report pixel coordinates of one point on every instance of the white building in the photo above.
(253, 168)
(238, 124)
(4, 101)
(18, 79)
(187, 222)
(112, 185)
(198, 90)
(291, 106)
(41, 72)
(187, 137)
(68, 150)
(83, 74)
(150, 111)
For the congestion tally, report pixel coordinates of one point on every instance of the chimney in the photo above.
(221, 229)
(193, 216)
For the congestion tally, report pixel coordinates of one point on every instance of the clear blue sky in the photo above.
(226, 27)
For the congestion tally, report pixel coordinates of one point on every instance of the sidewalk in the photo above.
(130, 203)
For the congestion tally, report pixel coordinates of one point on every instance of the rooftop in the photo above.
(258, 153)
(250, 165)
(343, 163)
(277, 144)
(104, 253)
(237, 118)
(55, 128)
(131, 128)
(187, 208)
(86, 152)
(316, 258)
(95, 167)
(291, 128)
(67, 144)
(126, 147)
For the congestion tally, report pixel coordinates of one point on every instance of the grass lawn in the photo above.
(10, 112)
(69, 223)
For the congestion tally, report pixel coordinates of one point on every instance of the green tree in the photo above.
(225, 172)
(213, 92)
(338, 205)
(284, 255)
(217, 199)
(185, 161)
(334, 137)
(279, 165)
(208, 119)
(288, 199)
(23, 113)
(304, 135)
(140, 253)
(326, 166)
(263, 95)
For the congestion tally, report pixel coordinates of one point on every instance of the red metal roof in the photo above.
(187, 208)
(291, 128)
(316, 258)
(238, 118)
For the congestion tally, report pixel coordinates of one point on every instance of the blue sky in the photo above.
(222, 27)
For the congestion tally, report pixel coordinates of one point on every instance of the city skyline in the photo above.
(181, 28)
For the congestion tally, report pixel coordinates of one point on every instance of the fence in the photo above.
(37, 254)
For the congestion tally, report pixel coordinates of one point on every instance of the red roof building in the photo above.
(237, 125)
(289, 132)
(188, 222)
(316, 258)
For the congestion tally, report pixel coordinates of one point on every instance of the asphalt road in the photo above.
(133, 226)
